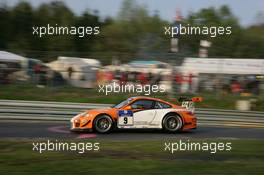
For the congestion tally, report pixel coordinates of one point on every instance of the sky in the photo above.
(245, 10)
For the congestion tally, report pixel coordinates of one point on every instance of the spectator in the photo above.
(37, 71)
(190, 81)
(70, 72)
(123, 78)
(235, 87)
(142, 78)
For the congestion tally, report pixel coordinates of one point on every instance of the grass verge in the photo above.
(137, 157)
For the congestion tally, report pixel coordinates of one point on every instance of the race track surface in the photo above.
(58, 130)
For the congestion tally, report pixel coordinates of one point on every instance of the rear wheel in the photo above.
(172, 123)
(103, 124)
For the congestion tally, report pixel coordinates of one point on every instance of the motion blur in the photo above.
(132, 49)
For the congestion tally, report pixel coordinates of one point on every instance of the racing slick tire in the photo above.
(103, 124)
(172, 123)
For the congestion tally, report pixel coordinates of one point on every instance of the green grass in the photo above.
(137, 157)
(72, 94)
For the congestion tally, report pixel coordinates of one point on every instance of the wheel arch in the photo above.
(174, 113)
(101, 114)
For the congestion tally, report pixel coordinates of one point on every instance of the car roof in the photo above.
(149, 98)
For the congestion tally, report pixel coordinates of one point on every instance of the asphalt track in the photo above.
(60, 130)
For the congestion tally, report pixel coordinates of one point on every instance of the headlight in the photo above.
(76, 118)
(84, 114)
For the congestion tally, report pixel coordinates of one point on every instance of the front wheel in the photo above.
(172, 123)
(103, 124)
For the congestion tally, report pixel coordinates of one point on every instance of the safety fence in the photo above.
(63, 111)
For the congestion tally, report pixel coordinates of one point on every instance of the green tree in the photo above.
(5, 26)
(135, 34)
(21, 19)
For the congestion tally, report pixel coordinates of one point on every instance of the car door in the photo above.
(143, 112)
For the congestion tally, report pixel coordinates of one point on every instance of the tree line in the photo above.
(135, 33)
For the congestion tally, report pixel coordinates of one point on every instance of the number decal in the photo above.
(125, 118)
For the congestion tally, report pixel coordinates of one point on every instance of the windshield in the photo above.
(123, 103)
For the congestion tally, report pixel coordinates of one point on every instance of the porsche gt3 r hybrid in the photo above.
(139, 112)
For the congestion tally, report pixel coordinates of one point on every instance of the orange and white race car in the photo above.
(139, 112)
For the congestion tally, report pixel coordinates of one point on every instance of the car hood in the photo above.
(103, 110)
(93, 112)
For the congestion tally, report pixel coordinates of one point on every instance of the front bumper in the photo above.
(81, 125)
(81, 129)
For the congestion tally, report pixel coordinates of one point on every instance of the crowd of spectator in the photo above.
(41, 76)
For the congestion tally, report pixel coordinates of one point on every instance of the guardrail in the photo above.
(62, 111)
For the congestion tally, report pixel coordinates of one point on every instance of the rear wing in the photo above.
(193, 99)
(188, 102)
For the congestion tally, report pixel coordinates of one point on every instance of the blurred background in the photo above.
(228, 70)
(46, 81)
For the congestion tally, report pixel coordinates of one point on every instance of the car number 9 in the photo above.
(125, 118)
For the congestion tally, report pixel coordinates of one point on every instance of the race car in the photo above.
(139, 112)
